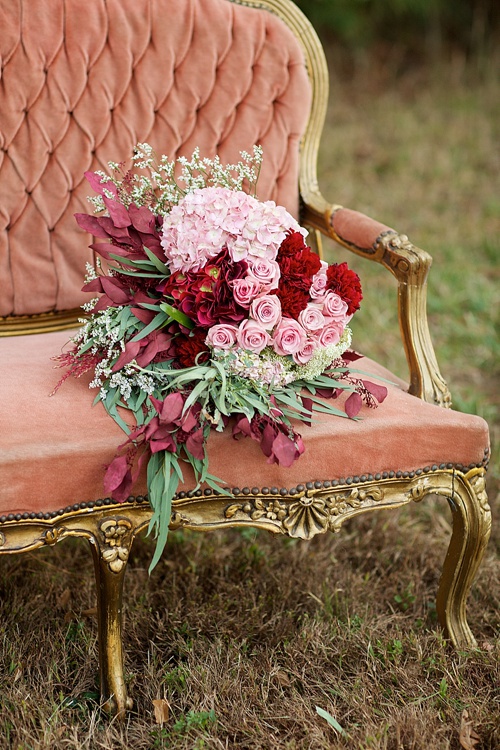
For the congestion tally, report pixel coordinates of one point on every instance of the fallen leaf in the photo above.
(63, 600)
(282, 678)
(162, 710)
(17, 673)
(468, 737)
(487, 646)
(92, 612)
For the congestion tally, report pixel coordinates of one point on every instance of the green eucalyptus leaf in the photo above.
(157, 262)
(177, 315)
(158, 322)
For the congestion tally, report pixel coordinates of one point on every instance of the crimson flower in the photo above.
(345, 282)
(188, 347)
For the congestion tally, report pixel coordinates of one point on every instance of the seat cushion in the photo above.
(54, 449)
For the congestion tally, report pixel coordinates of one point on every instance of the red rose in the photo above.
(345, 282)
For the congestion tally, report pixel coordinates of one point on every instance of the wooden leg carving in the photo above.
(471, 531)
(110, 550)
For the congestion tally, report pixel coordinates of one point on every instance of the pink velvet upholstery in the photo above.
(53, 449)
(83, 82)
(357, 229)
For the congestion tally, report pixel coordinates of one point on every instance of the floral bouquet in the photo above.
(212, 313)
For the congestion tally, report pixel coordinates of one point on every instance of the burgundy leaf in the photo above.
(267, 439)
(152, 242)
(353, 404)
(307, 403)
(350, 356)
(93, 286)
(326, 392)
(91, 224)
(242, 426)
(115, 291)
(195, 444)
(172, 407)
(379, 392)
(145, 316)
(284, 450)
(98, 186)
(116, 473)
(189, 421)
(128, 354)
(117, 213)
(120, 234)
(142, 218)
(148, 353)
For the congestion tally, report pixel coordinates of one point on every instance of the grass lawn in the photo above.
(245, 634)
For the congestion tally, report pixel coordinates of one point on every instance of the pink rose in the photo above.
(221, 336)
(252, 336)
(304, 355)
(265, 271)
(331, 333)
(245, 290)
(318, 286)
(335, 307)
(266, 310)
(289, 337)
(311, 318)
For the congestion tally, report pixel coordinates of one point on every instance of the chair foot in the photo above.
(110, 550)
(471, 530)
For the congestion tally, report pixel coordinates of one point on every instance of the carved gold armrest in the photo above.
(410, 265)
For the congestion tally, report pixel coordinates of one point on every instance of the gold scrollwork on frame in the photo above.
(2, 539)
(116, 534)
(178, 520)
(478, 484)
(54, 535)
(310, 514)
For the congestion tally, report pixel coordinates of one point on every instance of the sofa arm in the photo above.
(410, 265)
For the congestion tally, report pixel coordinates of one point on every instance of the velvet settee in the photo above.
(82, 85)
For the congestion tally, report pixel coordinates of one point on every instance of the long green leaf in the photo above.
(333, 722)
(141, 264)
(157, 322)
(141, 274)
(177, 315)
(157, 262)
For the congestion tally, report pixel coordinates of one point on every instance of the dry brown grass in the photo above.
(245, 634)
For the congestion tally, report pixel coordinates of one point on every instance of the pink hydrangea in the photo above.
(208, 219)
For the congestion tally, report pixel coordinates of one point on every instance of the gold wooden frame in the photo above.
(299, 512)
(305, 510)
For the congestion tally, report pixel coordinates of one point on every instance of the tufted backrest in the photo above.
(82, 82)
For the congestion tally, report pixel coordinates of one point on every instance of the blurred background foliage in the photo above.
(408, 31)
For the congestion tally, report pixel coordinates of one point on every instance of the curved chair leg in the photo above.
(471, 531)
(110, 550)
